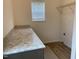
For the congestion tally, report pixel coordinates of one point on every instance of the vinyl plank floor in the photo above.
(61, 50)
(49, 54)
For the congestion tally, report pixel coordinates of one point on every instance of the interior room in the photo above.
(39, 29)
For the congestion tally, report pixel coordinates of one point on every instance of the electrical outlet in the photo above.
(64, 34)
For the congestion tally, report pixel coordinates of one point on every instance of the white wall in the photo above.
(67, 18)
(53, 27)
(22, 12)
(7, 17)
(73, 51)
(48, 30)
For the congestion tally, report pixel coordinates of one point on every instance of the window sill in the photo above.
(38, 19)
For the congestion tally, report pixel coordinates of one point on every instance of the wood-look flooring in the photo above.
(60, 49)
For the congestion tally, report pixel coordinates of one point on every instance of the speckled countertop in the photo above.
(20, 40)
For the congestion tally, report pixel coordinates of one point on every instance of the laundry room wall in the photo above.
(47, 30)
(67, 18)
(8, 23)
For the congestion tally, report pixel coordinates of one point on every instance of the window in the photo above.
(38, 10)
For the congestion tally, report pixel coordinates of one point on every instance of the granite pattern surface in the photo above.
(20, 40)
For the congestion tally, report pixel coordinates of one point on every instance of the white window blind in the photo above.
(38, 11)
